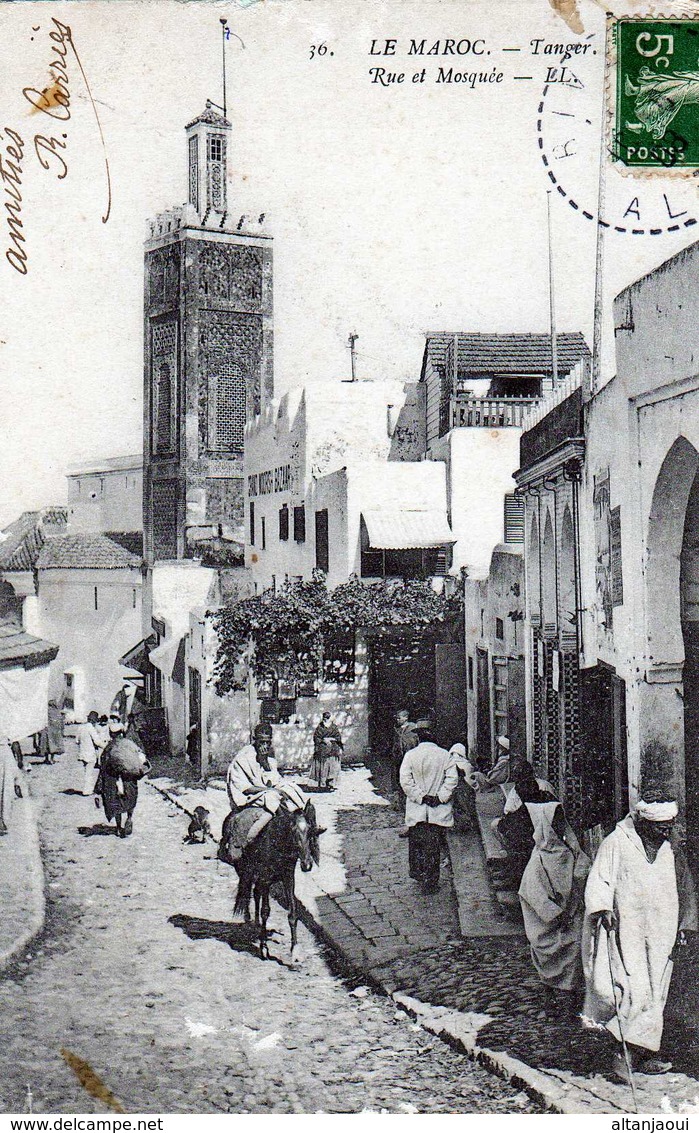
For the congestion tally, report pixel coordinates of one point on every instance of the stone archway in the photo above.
(668, 699)
(568, 612)
(689, 614)
(549, 601)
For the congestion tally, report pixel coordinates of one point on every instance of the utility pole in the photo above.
(552, 301)
(351, 340)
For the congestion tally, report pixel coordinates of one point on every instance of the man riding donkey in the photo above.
(264, 803)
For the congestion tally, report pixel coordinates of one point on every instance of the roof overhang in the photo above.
(136, 658)
(553, 462)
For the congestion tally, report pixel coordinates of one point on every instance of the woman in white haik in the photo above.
(551, 896)
(633, 913)
(90, 744)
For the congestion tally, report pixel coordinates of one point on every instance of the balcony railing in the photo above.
(489, 412)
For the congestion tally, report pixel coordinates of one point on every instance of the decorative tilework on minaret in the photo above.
(208, 352)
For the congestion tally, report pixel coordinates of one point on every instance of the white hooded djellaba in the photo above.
(644, 896)
(551, 896)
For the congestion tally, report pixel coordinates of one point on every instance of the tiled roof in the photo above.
(505, 353)
(86, 552)
(20, 648)
(21, 541)
(130, 540)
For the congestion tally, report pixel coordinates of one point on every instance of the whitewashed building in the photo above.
(314, 460)
(612, 499)
(106, 495)
(336, 482)
(478, 390)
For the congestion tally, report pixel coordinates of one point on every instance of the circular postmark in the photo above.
(569, 135)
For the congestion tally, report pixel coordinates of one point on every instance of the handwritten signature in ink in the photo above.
(50, 150)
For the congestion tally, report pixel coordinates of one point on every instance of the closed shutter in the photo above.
(514, 518)
(322, 545)
(164, 503)
(300, 524)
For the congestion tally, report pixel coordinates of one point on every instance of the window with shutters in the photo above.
(514, 518)
(215, 147)
(216, 155)
(432, 562)
(194, 172)
(163, 387)
(615, 556)
(300, 524)
(284, 522)
(163, 405)
(500, 629)
(338, 658)
(322, 543)
(229, 425)
(165, 519)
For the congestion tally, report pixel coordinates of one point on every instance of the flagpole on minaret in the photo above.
(599, 247)
(552, 301)
(224, 24)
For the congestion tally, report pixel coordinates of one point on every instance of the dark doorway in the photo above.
(450, 693)
(605, 788)
(322, 541)
(401, 675)
(483, 741)
(194, 733)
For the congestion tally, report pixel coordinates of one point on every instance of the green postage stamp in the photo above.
(657, 98)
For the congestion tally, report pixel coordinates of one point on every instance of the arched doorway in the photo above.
(669, 707)
(689, 612)
(568, 611)
(549, 602)
(10, 604)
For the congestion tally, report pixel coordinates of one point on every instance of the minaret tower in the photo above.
(208, 353)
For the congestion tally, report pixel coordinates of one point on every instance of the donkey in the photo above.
(290, 837)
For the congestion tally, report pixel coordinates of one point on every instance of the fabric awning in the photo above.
(165, 655)
(400, 529)
(24, 697)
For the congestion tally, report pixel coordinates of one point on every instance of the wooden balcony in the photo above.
(488, 412)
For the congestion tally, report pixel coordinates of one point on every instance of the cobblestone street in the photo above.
(456, 952)
(142, 975)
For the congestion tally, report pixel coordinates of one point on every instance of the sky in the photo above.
(396, 210)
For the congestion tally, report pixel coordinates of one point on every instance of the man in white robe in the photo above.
(428, 777)
(256, 787)
(630, 929)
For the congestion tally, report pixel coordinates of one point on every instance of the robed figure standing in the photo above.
(551, 895)
(633, 913)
